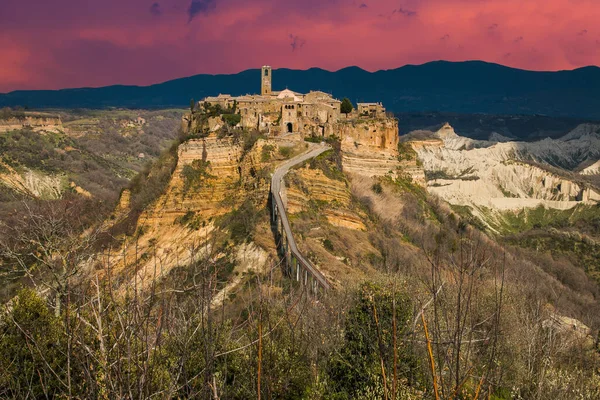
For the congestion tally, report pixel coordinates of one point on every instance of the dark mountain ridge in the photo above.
(457, 87)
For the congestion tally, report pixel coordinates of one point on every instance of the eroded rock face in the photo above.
(377, 135)
(38, 124)
(33, 183)
(593, 169)
(178, 227)
(334, 195)
(477, 173)
(369, 146)
(124, 201)
(206, 200)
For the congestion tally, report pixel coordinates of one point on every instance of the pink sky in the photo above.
(51, 44)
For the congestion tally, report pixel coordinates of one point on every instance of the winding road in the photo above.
(278, 175)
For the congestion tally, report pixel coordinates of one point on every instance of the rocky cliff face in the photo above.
(37, 123)
(500, 175)
(579, 147)
(206, 200)
(333, 196)
(593, 169)
(180, 226)
(369, 146)
(32, 183)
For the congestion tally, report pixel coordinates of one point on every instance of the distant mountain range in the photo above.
(457, 87)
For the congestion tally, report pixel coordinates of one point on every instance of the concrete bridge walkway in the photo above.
(297, 266)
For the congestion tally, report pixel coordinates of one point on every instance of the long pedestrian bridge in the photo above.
(296, 265)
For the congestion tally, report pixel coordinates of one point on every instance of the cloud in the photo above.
(296, 42)
(155, 9)
(201, 7)
(492, 27)
(582, 33)
(241, 34)
(363, 5)
(406, 13)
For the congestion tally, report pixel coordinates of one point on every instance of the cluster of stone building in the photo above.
(286, 111)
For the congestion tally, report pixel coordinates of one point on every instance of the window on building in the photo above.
(266, 72)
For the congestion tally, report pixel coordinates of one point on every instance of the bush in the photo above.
(357, 365)
(313, 139)
(241, 222)
(377, 188)
(33, 346)
(266, 152)
(285, 151)
(248, 139)
(195, 174)
(231, 119)
(406, 152)
(330, 163)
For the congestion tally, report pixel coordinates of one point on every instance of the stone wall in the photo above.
(369, 146)
(379, 134)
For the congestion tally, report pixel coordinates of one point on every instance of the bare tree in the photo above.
(464, 335)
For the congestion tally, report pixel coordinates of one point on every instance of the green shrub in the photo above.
(377, 188)
(231, 119)
(406, 152)
(241, 222)
(285, 152)
(357, 365)
(195, 174)
(313, 139)
(248, 138)
(330, 163)
(32, 344)
(265, 155)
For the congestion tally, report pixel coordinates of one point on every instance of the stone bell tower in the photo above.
(265, 88)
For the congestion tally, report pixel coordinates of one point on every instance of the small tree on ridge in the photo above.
(346, 106)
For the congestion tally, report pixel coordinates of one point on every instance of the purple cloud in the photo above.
(155, 9)
(296, 42)
(201, 7)
(406, 13)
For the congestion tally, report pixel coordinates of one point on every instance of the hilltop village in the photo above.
(367, 128)
(286, 111)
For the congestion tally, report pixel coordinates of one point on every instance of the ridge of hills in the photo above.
(458, 87)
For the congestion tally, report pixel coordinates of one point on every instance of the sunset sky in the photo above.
(50, 44)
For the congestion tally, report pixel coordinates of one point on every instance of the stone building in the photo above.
(375, 110)
(286, 111)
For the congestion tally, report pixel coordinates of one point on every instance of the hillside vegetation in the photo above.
(181, 292)
(75, 159)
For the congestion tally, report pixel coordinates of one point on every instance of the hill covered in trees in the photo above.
(458, 87)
